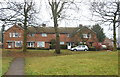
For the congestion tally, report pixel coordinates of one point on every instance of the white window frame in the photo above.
(31, 44)
(85, 36)
(14, 34)
(89, 35)
(19, 34)
(40, 44)
(68, 35)
(10, 34)
(44, 35)
(62, 43)
(31, 35)
(16, 42)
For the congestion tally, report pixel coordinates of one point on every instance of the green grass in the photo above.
(5, 64)
(89, 63)
(35, 53)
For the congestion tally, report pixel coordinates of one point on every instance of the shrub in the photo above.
(92, 48)
(42, 48)
(109, 48)
(30, 48)
(52, 46)
(53, 41)
(38, 48)
(118, 48)
(63, 46)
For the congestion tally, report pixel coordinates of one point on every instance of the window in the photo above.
(89, 35)
(61, 43)
(10, 34)
(15, 34)
(85, 36)
(44, 35)
(83, 46)
(30, 44)
(19, 34)
(41, 44)
(79, 46)
(18, 43)
(31, 35)
(68, 35)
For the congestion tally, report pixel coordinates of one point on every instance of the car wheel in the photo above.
(85, 50)
(75, 50)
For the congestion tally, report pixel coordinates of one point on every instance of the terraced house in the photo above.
(41, 36)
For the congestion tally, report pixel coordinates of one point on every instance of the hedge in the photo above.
(61, 46)
(92, 49)
(38, 48)
(118, 48)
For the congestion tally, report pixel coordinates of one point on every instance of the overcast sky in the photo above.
(84, 15)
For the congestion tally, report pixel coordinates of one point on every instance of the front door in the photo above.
(9, 45)
(69, 45)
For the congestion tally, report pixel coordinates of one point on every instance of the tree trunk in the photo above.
(114, 36)
(25, 35)
(57, 49)
(114, 29)
(3, 29)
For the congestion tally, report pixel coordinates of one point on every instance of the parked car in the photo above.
(80, 48)
(104, 46)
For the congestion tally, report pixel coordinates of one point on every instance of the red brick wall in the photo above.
(63, 37)
(13, 29)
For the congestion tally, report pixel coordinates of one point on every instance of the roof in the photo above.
(51, 29)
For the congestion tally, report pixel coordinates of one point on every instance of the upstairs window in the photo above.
(44, 35)
(68, 35)
(85, 36)
(10, 34)
(19, 34)
(15, 34)
(31, 35)
(89, 35)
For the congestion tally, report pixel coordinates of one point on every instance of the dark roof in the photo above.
(51, 29)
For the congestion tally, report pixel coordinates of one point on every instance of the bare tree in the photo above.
(56, 14)
(107, 12)
(58, 7)
(24, 12)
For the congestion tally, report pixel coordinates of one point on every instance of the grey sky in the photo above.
(84, 15)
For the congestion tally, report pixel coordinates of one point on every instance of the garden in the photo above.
(46, 62)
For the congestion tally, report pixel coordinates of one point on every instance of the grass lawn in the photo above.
(34, 53)
(5, 64)
(84, 63)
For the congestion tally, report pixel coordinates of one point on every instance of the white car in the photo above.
(80, 48)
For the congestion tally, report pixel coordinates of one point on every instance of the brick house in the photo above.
(41, 36)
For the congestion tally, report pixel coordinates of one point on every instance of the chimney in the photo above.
(19, 24)
(80, 25)
(43, 25)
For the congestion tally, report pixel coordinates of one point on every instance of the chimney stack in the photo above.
(19, 24)
(43, 25)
